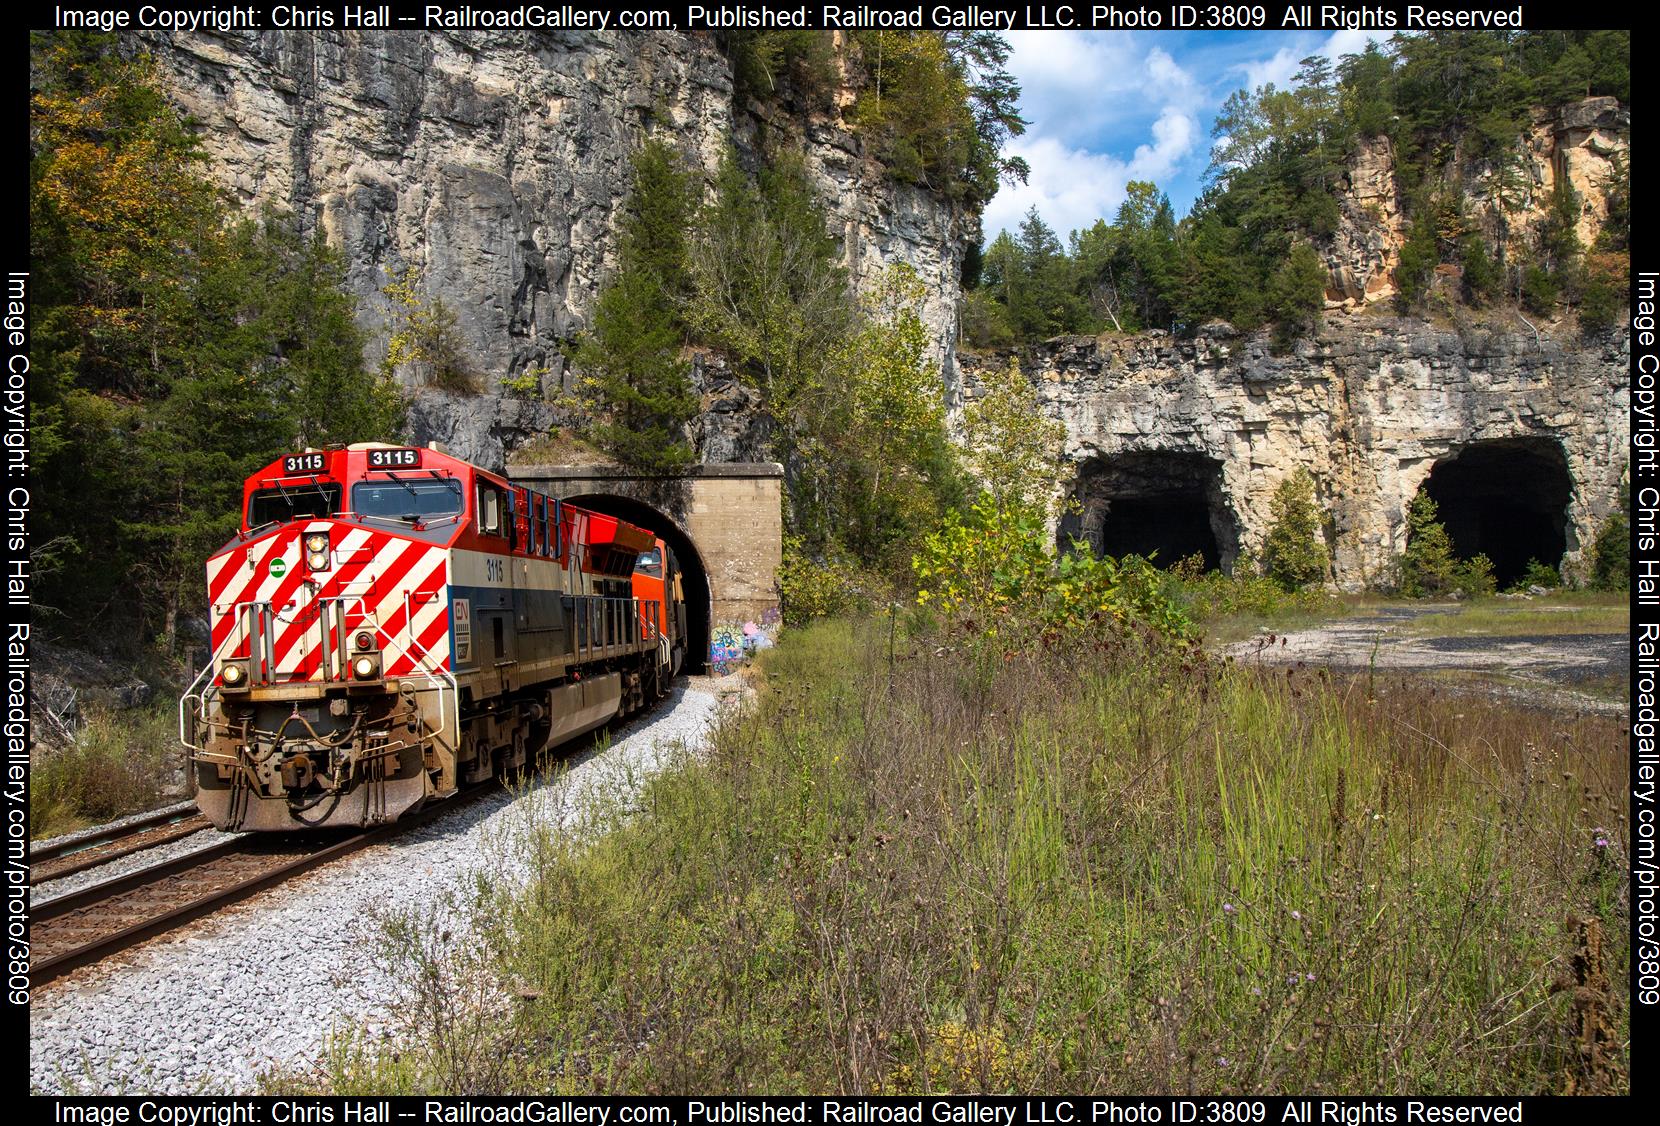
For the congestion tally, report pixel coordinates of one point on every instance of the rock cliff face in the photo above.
(1579, 142)
(496, 164)
(1525, 437)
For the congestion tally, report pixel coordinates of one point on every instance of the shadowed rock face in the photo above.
(1368, 406)
(1507, 499)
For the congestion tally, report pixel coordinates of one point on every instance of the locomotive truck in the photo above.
(390, 624)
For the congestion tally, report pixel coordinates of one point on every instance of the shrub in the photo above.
(117, 763)
(1611, 552)
(823, 587)
(1428, 568)
(992, 571)
(1537, 574)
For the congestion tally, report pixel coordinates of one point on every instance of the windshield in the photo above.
(649, 563)
(292, 502)
(405, 499)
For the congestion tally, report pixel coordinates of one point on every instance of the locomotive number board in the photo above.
(394, 459)
(303, 463)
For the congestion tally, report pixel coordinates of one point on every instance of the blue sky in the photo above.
(1107, 107)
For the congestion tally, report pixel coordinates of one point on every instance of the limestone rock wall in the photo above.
(497, 164)
(1580, 141)
(1366, 406)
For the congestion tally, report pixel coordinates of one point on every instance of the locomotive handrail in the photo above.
(190, 692)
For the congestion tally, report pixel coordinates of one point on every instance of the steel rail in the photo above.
(80, 842)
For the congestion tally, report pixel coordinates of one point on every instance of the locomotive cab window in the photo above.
(649, 563)
(292, 502)
(402, 498)
(492, 507)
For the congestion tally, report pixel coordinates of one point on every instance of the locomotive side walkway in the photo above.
(211, 1007)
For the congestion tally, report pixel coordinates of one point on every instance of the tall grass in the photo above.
(1116, 868)
(116, 763)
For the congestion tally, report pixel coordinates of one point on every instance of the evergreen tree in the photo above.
(1294, 552)
(1427, 566)
(178, 348)
(635, 379)
(1611, 553)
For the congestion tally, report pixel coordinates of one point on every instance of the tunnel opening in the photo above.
(1165, 506)
(694, 572)
(1507, 499)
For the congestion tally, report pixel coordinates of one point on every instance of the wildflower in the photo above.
(1227, 909)
(1602, 842)
(1222, 1061)
(1256, 992)
(1298, 915)
(1309, 977)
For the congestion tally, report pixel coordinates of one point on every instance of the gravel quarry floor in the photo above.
(1550, 670)
(256, 987)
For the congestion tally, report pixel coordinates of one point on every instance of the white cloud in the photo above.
(1286, 61)
(1077, 85)
(1072, 187)
(1278, 69)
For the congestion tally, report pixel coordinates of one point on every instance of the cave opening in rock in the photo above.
(1164, 505)
(1506, 498)
(694, 572)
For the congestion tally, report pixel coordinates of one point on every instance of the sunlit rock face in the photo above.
(1580, 144)
(1197, 434)
(497, 164)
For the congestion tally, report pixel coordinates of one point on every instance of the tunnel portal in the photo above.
(694, 573)
(1163, 505)
(1506, 498)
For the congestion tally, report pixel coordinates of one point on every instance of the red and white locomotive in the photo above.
(392, 623)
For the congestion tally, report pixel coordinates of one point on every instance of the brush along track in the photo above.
(86, 926)
(57, 861)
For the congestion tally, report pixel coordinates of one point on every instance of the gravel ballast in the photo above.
(255, 988)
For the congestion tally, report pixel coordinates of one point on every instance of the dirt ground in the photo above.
(1586, 672)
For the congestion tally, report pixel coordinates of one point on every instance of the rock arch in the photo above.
(1506, 498)
(1163, 504)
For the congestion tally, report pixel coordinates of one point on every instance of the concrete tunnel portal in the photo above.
(723, 521)
(694, 572)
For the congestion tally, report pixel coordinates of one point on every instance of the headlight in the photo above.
(317, 541)
(318, 560)
(363, 668)
(232, 674)
(365, 639)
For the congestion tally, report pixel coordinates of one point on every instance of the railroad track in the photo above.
(88, 925)
(54, 862)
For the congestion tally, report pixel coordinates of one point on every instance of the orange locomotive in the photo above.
(391, 623)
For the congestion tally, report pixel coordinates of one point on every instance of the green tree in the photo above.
(1294, 552)
(1297, 291)
(636, 383)
(1427, 566)
(939, 107)
(766, 284)
(178, 347)
(1012, 447)
(885, 430)
(424, 339)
